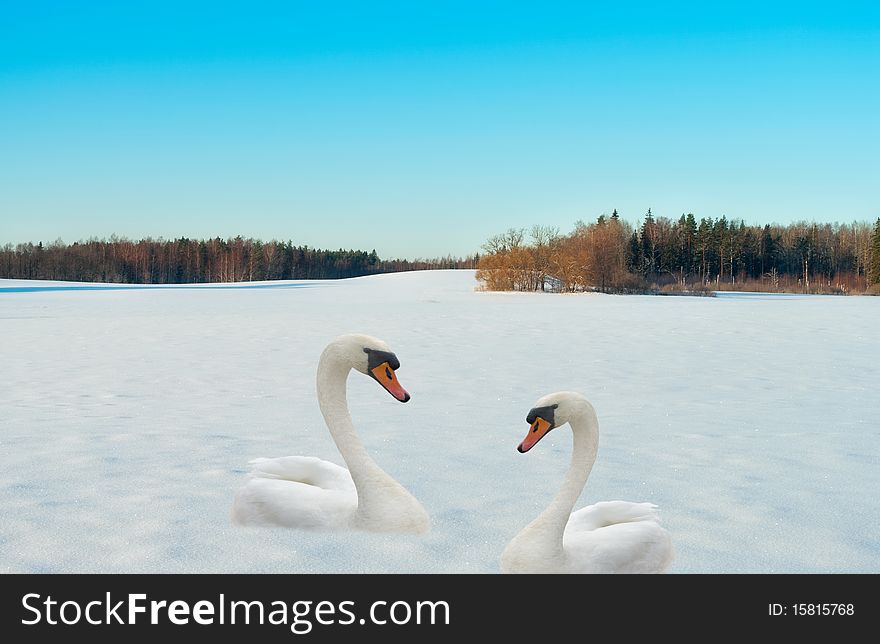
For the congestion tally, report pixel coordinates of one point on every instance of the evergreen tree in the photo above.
(634, 254)
(768, 251)
(722, 242)
(686, 233)
(703, 248)
(875, 254)
(649, 247)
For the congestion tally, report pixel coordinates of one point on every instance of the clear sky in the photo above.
(419, 128)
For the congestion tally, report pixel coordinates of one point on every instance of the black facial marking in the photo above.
(547, 413)
(376, 358)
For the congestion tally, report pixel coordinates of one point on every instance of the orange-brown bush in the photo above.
(592, 257)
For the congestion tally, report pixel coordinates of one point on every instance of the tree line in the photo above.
(187, 261)
(662, 254)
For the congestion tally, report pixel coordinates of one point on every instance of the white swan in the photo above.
(608, 537)
(307, 492)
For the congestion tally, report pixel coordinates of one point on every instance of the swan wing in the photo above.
(297, 492)
(606, 513)
(617, 537)
(309, 470)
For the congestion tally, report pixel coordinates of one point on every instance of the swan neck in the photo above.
(553, 520)
(583, 455)
(331, 384)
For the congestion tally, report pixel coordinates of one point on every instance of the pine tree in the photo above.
(687, 236)
(634, 256)
(649, 248)
(703, 247)
(875, 254)
(768, 251)
(723, 243)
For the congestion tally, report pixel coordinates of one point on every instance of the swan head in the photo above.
(550, 412)
(373, 358)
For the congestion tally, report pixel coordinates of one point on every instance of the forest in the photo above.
(662, 255)
(189, 261)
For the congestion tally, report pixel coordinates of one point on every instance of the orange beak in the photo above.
(386, 377)
(537, 431)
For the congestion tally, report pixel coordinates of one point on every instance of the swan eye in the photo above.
(388, 373)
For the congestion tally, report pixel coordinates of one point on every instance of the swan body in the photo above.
(310, 493)
(608, 537)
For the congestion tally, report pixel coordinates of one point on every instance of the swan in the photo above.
(307, 492)
(608, 537)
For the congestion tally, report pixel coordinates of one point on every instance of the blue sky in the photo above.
(421, 128)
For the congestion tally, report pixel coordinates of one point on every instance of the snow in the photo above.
(127, 417)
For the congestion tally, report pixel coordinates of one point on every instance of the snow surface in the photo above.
(127, 417)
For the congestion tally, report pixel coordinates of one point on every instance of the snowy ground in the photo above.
(127, 418)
